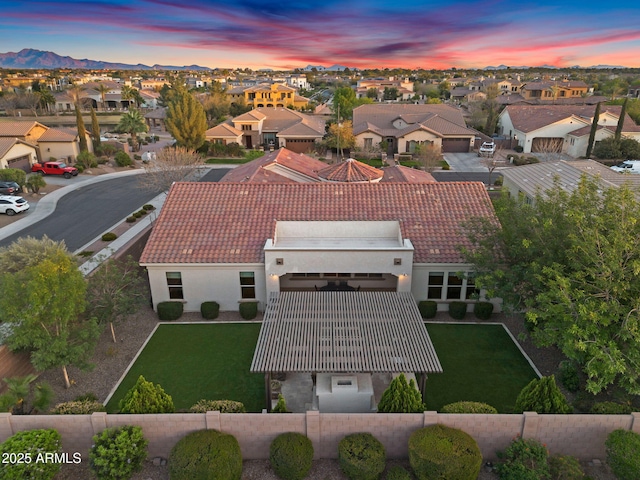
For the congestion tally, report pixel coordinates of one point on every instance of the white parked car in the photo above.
(628, 166)
(11, 205)
(487, 149)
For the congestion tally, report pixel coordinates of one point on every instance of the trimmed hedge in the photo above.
(109, 237)
(249, 310)
(428, 308)
(222, 406)
(565, 467)
(118, 452)
(31, 443)
(209, 310)
(291, 455)
(148, 207)
(483, 310)
(361, 456)
(438, 451)
(78, 407)
(458, 310)
(468, 407)
(611, 408)
(398, 473)
(623, 454)
(206, 454)
(169, 311)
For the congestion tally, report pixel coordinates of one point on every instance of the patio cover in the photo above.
(343, 332)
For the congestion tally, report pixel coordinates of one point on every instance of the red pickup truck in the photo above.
(54, 168)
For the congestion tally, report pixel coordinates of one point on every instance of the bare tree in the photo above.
(548, 149)
(428, 155)
(170, 165)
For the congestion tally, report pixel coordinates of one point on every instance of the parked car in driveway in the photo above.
(9, 188)
(54, 168)
(628, 166)
(487, 149)
(11, 205)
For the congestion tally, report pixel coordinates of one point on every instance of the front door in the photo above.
(248, 142)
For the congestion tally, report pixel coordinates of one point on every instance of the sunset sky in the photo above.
(355, 33)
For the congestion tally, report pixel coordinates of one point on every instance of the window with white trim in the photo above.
(174, 283)
(248, 284)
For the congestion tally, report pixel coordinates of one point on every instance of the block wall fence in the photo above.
(582, 436)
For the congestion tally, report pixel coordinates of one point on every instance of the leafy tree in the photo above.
(390, 93)
(401, 397)
(35, 182)
(82, 132)
(542, 395)
(132, 122)
(239, 107)
(610, 148)
(341, 136)
(95, 130)
(372, 93)
(594, 129)
(24, 398)
(344, 101)
(444, 88)
(46, 99)
(115, 290)
(186, 121)
(145, 397)
(43, 295)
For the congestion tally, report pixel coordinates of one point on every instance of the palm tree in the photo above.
(103, 90)
(46, 99)
(127, 94)
(133, 123)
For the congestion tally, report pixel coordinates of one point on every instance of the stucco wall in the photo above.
(19, 150)
(582, 436)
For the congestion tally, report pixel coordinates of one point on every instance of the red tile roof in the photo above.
(203, 223)
(350, 171)
(399, 173)
(264, 169)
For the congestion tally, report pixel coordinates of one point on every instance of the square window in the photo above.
(248, 284)
(279, 261)
(454, 287)
(174, 283)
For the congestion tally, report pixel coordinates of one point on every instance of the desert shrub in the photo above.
(122, 159)
(146, 397)
(542, 395)
(89, 396)
(428, 308)
(483, 310)
(249, 310)
(445, 165)
(80, 167)
(623, 454)
(30, 443)
(458, 310)
(118, 452)
(517, 160)
(499, 181)
(169, 311)
(518, 148)
(14, 175)
(209, 310)
(401, 397)
(222, 406)
(109, 236)
(438, 451)
(35, 182)
(148, 207)
(291, 455)
(131, 219)
(78, 407)
(361, 456)
(398, 473)
(87, 160)
(281, 405)
(468, 407)
(568, 376)
(565, 467)
(137, 215)
(524, 459)
(611, 408)
(206, 454)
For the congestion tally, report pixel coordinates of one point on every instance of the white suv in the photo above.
(12, 205)
(628, 166)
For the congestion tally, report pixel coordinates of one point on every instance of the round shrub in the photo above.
(291, 455)
(148, 207)
(118, 452)
(518, 148)
(131, 219)
(30, 443)
(142, 212)
(146, 397)
(438, 451)
(169, 311)
(361, 456)
(122, 159)
(209, 310)
(568, 376)
(565, 467)
(457, 310)
(109, 237)
(524, 459)
(483, 310)
(137, 215)
(78, 407)
(611, 408)
(249, 310)
(398, 473)
(222, 406)
(468, 407)
(206, 454)
(428, 308)
(623, 454)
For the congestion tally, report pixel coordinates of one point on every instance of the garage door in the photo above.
(546, 145)
(300, 145)
(455, 144)
(22, 163)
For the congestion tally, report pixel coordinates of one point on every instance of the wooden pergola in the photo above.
(335, 332)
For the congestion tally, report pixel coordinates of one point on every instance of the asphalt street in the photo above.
(87, 212)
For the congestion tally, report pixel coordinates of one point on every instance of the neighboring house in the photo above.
(271, 128)
(224, 133)
(550, 91)
(268, 95)
(404, 87)
(150, 98)
(62, 143)
(28, 132)
(297, 81)
(529, 180)
(561, 128)
(404, 126)
(155, 119)
(16, 153)
(239, 242)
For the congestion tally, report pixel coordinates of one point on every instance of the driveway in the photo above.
(464, 162)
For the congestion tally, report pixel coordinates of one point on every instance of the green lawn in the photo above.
(480, 363)
(192, 362)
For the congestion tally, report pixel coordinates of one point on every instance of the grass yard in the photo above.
(192, 362)
(480, 363)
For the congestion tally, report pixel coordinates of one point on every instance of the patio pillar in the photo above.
(422, 383)
(267, 390)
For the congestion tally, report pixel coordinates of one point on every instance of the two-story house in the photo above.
(268, 95)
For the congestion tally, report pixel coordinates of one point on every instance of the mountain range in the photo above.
(39, 59)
